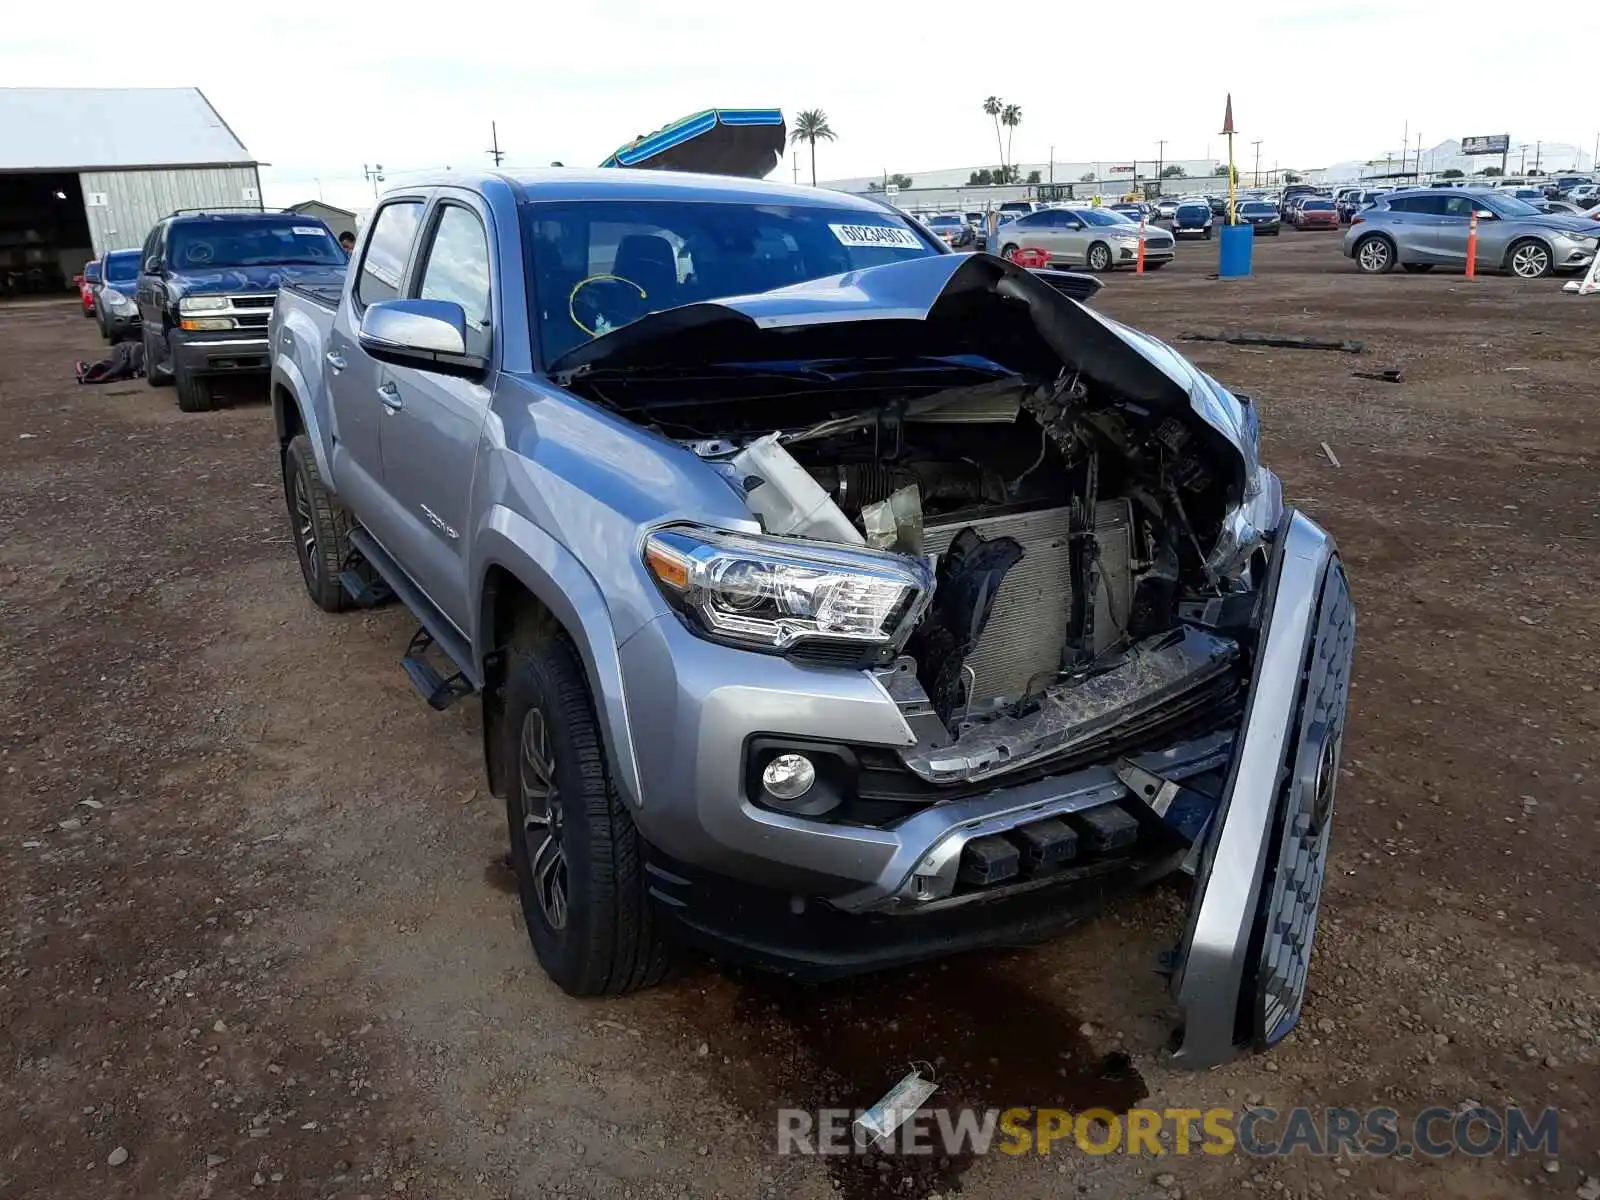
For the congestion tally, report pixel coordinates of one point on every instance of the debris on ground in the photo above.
(1332, 457)
(1240, 337)
(1389, 376)
(898, 1104)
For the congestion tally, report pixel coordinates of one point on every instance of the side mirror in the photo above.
(430, 335)
(1483, 214)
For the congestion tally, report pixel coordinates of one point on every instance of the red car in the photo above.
(1316, 214)
(87, 282)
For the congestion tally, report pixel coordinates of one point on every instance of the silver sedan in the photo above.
(1096, 238)
(1421, 229)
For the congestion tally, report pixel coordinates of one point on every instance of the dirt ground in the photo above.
(255, 938)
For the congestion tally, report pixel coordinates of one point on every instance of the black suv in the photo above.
(207, 286)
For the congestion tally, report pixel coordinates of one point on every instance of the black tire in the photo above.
(90, 313)
(1207, 233)
(1374, 255)
(1155, 266)
(1008, 250)
(1534, 248)
(1101, 252)
(194, 392)
(607, 939)
(99, 323)
(1416, 268)
(318, 528)
(157, 373)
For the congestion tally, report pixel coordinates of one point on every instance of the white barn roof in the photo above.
(74, 129)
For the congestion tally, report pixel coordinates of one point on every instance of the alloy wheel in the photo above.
(1374, 254)
(541, 819)
(1099, 258)
(305, 526)
(1530, 261)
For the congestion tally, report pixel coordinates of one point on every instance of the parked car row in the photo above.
(199, 293)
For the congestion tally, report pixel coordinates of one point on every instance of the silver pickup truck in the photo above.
(834, 600)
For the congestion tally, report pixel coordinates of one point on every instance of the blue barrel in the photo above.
(1237, 242)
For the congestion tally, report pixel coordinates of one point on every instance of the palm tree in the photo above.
(810, 126)
(994, 106)
(1011, 117)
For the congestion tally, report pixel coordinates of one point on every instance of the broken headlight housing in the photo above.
(1248, 525)
(781, 595)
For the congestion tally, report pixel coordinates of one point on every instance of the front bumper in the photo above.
(224, 352)
(817, 898)
(1571, 255)
(120, 327)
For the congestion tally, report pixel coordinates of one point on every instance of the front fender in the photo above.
(561, 583)
(294, 391)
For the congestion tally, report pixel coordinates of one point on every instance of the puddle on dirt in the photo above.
(992, 1041)
(501, 875)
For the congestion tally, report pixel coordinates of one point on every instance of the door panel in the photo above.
(432, 421)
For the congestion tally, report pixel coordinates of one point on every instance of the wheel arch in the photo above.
(526, 575)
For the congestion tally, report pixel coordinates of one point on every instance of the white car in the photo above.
(1093, 237)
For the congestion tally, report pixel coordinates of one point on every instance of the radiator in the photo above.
(1028, 626)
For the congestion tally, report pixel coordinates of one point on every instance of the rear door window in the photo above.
(382, 266)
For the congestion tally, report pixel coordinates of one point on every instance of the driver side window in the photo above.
(384, 261)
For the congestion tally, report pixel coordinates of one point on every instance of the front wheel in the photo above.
(318, 527)
(578, 858)
(194, 392)
(1530, 259)
(1374, 255)
(1099, 258)
(1155, 266)
(1207, 233)
(1416, 268)
(156, 372)
(1008, 250)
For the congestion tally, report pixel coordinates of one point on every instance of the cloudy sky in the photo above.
(323, 89)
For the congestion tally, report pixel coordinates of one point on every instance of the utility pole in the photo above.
(1052, 164)
(494, 151)
(1522, 160)
(1257, 145)
(1417, 165)
(1161, 153)
(373, 175)
(797, 166)
(1537, 145)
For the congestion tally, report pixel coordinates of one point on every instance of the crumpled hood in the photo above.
(254, 279)
(944, 305)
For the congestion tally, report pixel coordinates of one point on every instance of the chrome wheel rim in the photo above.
(541, 820)
(1530, 262)
(1374, 255)
(304, 527)
(1099, 257)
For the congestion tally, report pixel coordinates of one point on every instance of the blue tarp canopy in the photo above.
(719, 141)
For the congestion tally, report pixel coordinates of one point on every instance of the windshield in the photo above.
(944, 222)
(1255, 206)
(598, 265)
(253, 242)
(1316, 206)
(122, 266)
(1194, 210)
(1508, 206)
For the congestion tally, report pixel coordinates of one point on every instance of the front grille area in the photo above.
(253, 320)
(254, 301)
(1305, 811)
(1027, 629)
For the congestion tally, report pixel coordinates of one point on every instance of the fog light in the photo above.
(788, 777)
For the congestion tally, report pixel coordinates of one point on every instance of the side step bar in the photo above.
(440, 691)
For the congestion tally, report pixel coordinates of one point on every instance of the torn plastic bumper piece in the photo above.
(1241, 969)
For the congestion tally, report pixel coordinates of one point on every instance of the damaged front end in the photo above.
(1050, 541)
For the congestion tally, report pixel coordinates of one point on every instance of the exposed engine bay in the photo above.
(1064, 528)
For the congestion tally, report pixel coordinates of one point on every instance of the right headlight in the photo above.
(203, 304)
(779, 595)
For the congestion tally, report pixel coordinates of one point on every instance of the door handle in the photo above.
(334, 360)
(390, 395)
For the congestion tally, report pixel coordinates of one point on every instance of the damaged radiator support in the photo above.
(1027, 631)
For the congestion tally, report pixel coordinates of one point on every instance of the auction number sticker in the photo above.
(307, 230)
(896, 237)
